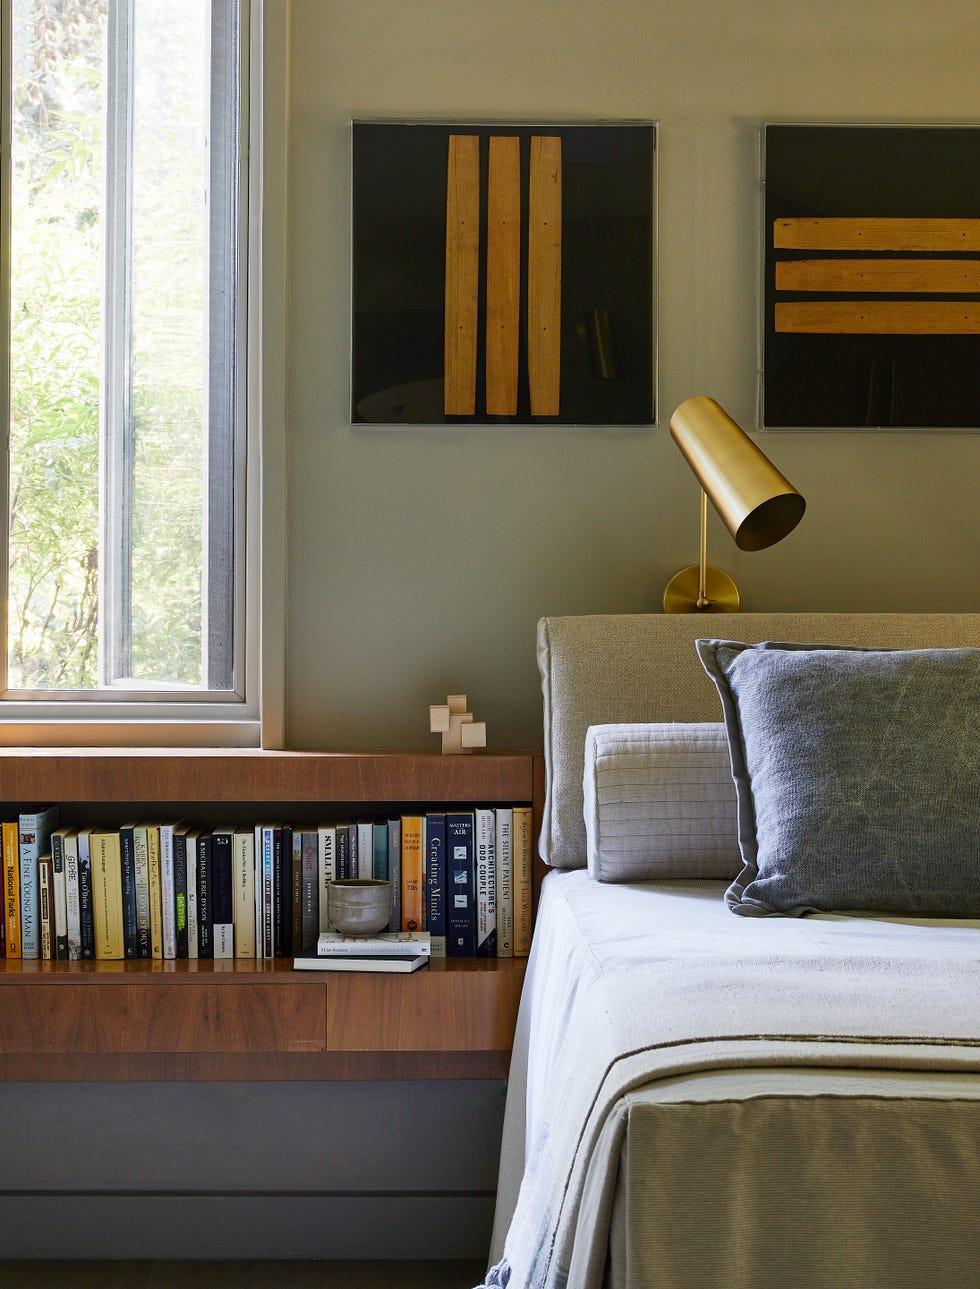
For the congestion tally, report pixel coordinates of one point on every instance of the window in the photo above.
(125, 307)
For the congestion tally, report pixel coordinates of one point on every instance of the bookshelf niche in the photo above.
(256, 1019)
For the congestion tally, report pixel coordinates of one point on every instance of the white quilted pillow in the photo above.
(660, 803)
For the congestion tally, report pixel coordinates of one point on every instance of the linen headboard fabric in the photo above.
(620, 668)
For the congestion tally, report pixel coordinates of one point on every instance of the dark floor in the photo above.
(240, 1275)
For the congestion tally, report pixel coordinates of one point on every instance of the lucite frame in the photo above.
(402, 254)
(873, 321)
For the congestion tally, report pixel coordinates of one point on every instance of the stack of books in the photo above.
(389, 951)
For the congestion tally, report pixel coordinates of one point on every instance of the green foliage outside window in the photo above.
(57, 339)
(55, 345)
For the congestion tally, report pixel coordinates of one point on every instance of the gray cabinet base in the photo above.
(400, 1170)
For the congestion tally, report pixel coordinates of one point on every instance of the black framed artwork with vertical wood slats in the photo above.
(502, 273)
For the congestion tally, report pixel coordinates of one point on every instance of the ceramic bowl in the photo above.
(360, 905)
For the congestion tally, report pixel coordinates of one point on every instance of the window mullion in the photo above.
(117, 447)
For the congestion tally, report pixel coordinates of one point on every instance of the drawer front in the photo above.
(131, 1018)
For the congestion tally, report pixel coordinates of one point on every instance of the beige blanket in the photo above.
(632, 985)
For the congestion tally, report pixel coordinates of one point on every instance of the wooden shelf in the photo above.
(248, 774)
(248, 1019)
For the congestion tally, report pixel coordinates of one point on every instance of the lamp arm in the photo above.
(703, 600)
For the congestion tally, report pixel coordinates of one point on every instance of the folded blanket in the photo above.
(627, 985)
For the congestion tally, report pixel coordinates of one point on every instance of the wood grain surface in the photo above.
(876, 234)
(247, 1019)
(544, 233)
(250, 774)
(937, 276)
(879, 317)
(503, 274)
(462, 273)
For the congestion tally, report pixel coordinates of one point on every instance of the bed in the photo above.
(748, 1048)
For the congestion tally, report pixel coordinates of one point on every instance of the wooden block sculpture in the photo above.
(460, 733)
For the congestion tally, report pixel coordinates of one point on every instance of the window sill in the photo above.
(126, 732)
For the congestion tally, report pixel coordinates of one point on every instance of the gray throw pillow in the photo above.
(857, 774)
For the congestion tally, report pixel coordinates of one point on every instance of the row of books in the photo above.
(171, 890)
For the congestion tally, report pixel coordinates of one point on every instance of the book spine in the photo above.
(259, 897)
(327, 871)
(310, 921)
(268, 881)
(523, 877)
(276, 892)
(180, 894)
(59, 896)
(205, 896)
(192, 907)
(486, 883)
(460, 886)
(168, 893)
(243, 859)
(45, 906)
(141, 870)
(353, 858)
(395, 872)
(346, 862)
(127, 859)
(413, 873)
(365, 850)
(223, 901)
(435, 881)
(86, 911)
(73, 913)
(284, 892)
(9, 833)
(30, 943)
(342, 852)
(380, 866)
(296, 892)
(34, 831)
(156, 890)
(504, 852)
(107, 903)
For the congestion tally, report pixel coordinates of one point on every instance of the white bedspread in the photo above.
(630, 984)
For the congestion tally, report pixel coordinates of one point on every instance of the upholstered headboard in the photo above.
(643, 667)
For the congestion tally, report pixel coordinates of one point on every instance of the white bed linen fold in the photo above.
(630, 984)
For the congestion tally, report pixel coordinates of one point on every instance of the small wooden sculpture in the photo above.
(460, 733)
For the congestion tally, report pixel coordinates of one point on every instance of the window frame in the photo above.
(254, 715)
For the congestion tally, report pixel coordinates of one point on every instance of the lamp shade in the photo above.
(757, 504)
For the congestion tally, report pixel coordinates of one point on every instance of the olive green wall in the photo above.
(418, 561)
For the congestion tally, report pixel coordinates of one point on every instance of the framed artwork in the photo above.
(502, 274)
(871, 293)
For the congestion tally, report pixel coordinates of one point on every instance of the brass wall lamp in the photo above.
(757, 504)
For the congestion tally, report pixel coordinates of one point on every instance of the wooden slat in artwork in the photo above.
(906, 276)
(884, 234)
(544, 275)
(503, 273)
(462, 273)
(879, 317)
